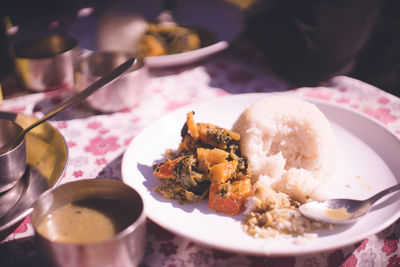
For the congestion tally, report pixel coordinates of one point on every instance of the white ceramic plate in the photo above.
(217, 16)
(369, 157)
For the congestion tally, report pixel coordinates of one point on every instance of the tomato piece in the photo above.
(167, 168)
(229, 203)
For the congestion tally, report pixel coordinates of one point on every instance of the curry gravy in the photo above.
(87, 221)
(338, 214)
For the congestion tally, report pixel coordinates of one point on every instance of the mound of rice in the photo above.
(292, 152)
(291, 143)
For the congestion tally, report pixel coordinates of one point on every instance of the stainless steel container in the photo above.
(13, 163)
(46, 63)
(126, 248)
(121, 94)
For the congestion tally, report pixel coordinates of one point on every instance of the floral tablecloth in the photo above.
(97, 141)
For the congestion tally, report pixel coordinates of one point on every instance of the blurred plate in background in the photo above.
(222, 19)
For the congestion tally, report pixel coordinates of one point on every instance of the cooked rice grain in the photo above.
(264, 220)
(290, 142)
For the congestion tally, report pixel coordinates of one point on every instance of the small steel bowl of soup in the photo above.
(92, 222)
(46, 63)
(120, 94)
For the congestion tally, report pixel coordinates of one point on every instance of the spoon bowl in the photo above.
(342, 210)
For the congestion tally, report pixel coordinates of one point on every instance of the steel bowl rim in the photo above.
(87, 55)
(19, 48)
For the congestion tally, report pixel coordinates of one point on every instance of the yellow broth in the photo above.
(338, 214)
(87, 221)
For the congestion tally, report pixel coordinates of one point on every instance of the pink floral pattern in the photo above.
(168, 248)
(97, 142)
(71, 144)
(101, 146)
(351, 261)
(62, 125)
(94, 125)
(363, 245)
(390, 246)
(101, 161)
(319, 93)
(78, 173)
(23, 227)
(382, 114)
(394, 261)
(175, 105)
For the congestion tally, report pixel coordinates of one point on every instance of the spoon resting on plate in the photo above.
(342, 210)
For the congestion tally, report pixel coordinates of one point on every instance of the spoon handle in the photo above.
(382, 193)
(81, 95)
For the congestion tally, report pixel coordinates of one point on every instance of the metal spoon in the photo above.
(341, 210)
(73, 100)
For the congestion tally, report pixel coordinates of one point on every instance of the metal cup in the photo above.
(120, 94)
(13, 163)
(126, 248)
(46, 63)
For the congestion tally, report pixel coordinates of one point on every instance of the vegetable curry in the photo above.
(208, 163)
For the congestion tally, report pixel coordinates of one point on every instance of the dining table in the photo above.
(97, 141)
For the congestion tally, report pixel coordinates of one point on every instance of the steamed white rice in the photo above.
(292, 152)
(291, 142)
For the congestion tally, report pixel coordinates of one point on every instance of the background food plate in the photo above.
(369, 163)
(219, 17)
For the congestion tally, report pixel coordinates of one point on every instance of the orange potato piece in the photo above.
(206, 158)
(242, 188)
(222, 172)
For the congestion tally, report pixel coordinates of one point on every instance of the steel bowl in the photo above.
(123, 93)
(46, 63)
(12, 163)
(47, 157)
(126, 248)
